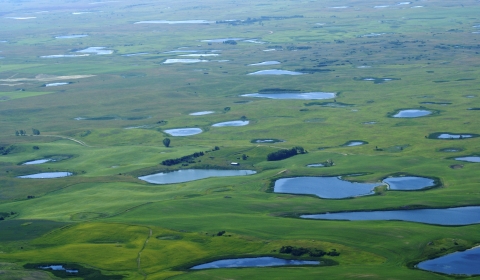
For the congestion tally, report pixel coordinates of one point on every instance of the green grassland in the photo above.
(107, 125)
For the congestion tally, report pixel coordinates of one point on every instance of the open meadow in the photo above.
(261, 102)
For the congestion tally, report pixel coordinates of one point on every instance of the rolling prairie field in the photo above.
(150, 139)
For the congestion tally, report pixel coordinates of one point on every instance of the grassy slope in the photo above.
(433, 62)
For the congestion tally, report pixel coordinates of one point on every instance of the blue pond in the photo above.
(293, 95)
(458, 216)
(408, 183)
(46, 175)
(354, 143)
(38, 161)
(465, 263)
(316, 165)
(201, 113)
(275, 72)
(59, 267)
(264, 63)
(469, 159)
(411, 113)
(188, 175)
(453, 136)
(231, 123)
(253, 262)
(324, 187)
(183, 131)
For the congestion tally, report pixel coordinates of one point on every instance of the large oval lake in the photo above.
(253, 262)
(465, 263)
(324, 187)
(458, 216)
(293, 95)
(187, 175)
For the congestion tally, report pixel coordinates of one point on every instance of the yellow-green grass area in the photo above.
(162, 252)
(5, 96)
(12, 67)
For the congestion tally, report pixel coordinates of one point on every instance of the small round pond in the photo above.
(271, 141)
(183, 131)
(96, 50)
(293, 95)
(458, 263)
(71, 36)
(316, 165)
(411, 113)
(194, 21)
(201, 113)
(56, 84)
(453, 136)
(408, 183)
(188, 175)
(264, 63)
(459, 216)
(324, 187)
(180, 60)
(354, 143)
(231, 123)
(469, 159)
(276, 72)
(253, 262)
(38, 161)
(59, 267)
(46, 175)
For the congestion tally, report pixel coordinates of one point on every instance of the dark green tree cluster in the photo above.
(312, 252)
(35, 131)
(20, 132)
(283, 154)
(187, 158)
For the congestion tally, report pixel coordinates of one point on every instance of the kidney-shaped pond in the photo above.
(293, 95)
(324, 187)
(408, 183)
(46, 175)
(253, 262)
(458, 216)
(464, 263)
(188, 175)
(183, 131)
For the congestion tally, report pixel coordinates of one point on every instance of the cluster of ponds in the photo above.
(336, 188)
(187, 175)
(253, 262)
